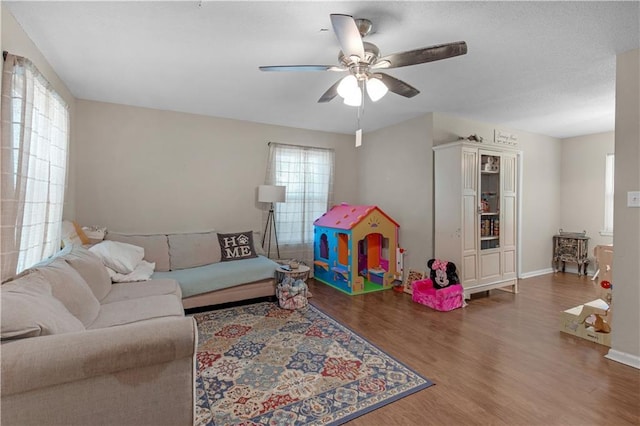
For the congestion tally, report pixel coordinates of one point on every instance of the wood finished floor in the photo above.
(500, 361)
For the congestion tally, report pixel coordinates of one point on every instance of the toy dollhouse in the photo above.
(356, 249)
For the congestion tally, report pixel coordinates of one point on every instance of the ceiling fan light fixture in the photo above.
(361, 59)
(354, 99)
(376, 89)
(348, 87)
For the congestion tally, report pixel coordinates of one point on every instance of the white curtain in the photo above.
(34, 143)
(307, 172)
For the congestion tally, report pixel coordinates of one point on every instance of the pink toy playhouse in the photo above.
(356, 249)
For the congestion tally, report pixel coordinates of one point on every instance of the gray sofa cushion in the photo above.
(156, 247)
(124, 291)
(218, 276)
(139, 309)
(91, 269)
(29, 309)
(193, 249)
(71, 289)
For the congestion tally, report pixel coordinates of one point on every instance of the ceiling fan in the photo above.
(363, 61)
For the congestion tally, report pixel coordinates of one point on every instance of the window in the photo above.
(34, 161)
(307, 173)
(324, 246)
(608, 195)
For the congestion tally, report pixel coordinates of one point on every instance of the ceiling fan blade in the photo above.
(397, 86)
(331, 93)
(348, 35)
(302, 68)
(420, 56)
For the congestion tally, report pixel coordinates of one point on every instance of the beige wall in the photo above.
(396, 172)
(540, 185)
(144, 170)
(582, 173)
(395, 167)
(626, 221)
(15, 41)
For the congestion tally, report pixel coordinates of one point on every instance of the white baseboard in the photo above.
(574, 270)
(536, 273)
(568, 270)
(624, 358)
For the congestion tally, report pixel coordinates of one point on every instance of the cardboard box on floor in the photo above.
(572, 322)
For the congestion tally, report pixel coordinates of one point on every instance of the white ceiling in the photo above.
(542, 67)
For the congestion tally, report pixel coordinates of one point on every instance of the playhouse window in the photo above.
(385, 248)
(343, 249)
(324, 246)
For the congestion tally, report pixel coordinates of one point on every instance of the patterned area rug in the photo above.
(263, 365)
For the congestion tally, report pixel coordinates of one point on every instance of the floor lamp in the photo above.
(271, 194)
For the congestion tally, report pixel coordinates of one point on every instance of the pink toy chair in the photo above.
(445, 299)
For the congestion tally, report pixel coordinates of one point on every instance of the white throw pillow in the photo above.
(143, 272)
(121, 257)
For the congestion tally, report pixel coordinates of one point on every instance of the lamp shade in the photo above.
(271, 193)
(354, 99)
(348, 87)
(376, 89)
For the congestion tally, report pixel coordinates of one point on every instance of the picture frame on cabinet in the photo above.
(412, 276)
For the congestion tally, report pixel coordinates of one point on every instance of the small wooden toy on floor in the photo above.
(592, 320)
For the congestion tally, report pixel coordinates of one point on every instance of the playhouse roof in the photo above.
(346, 216)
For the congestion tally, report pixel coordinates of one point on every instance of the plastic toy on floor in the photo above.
(356, 249)
(442, 290)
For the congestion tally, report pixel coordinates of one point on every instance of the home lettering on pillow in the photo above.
(237, 246)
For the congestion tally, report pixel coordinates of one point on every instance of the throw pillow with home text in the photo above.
(237, 246)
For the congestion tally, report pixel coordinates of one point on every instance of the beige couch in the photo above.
(194, 260)
(77, 350)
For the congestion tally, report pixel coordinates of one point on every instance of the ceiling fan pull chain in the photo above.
(359, 115)
(361, 106)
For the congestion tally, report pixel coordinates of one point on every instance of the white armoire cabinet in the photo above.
(476, 212)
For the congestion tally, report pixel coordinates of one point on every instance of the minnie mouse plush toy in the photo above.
(442, 291)
(442, 273)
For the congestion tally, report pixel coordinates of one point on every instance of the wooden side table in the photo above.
(571, 247)
(300, 273)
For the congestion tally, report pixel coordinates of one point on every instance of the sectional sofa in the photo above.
(196, 261)
(78, 350)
